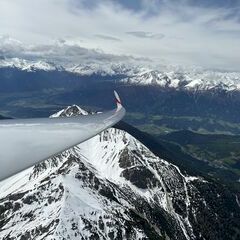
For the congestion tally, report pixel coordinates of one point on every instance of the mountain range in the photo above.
(194, 79)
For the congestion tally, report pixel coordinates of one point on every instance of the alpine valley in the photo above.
(114, 187)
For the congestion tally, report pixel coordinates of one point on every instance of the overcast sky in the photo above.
(186, 32)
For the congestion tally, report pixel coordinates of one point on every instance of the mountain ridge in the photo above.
(113, 187)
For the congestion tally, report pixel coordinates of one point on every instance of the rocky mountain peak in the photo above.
(69, 111)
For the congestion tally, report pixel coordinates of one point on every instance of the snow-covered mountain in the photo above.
(112, 187)
(102, 69)
(194, 79)
(97, 68)
(187, 80)
(28, 65)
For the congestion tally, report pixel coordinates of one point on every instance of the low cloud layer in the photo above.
(183, 32)
(61, 52)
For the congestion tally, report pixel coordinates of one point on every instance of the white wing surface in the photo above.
(26, 142)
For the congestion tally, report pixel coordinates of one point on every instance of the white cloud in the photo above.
(193, 35)
(106, 37)
(150, 35)
(62, 52)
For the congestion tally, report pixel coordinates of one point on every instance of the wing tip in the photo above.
(118, 100)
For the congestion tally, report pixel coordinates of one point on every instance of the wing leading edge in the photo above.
(26, 142)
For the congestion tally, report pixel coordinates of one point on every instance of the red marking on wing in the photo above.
(118, 101)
